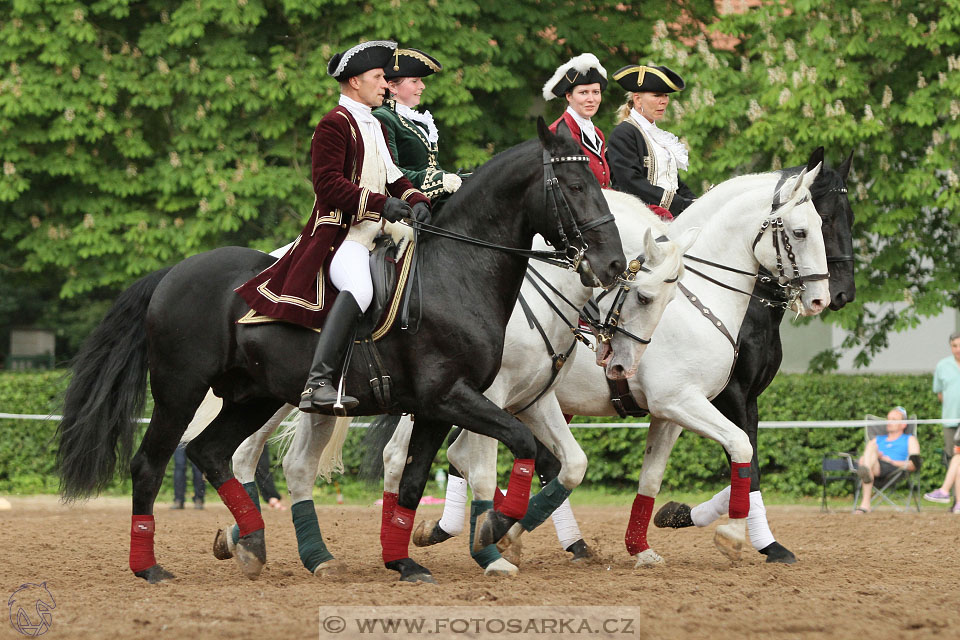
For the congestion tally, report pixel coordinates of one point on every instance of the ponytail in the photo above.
(624, 111)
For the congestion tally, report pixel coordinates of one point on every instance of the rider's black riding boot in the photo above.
(320, 393)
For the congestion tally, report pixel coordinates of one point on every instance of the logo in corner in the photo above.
(30, 606)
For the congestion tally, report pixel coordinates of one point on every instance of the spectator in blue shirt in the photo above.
(887, 453)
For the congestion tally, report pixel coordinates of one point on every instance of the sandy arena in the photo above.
(883, 575)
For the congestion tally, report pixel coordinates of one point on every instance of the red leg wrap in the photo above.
(141, 543)
(636, 537)
(386, 514)
(514, 504)
(395, 530)
(498, 498)
(241, 506)
(739, 489)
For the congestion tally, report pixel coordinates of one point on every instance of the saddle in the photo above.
(391, 266)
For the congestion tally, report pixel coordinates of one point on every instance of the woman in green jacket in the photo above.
(412, 135)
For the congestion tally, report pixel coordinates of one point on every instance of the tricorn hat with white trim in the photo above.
(582, 69)
(411, 63)
(638, 77)
(374, 54)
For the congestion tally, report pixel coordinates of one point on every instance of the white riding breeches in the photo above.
(350, 271)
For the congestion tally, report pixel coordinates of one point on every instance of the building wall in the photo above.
(912, 351)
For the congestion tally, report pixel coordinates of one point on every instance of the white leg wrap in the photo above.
(707, 512)
(566, 525)
(455, 507)
(757, 525)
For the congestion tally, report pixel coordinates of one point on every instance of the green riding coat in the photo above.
(413, 153)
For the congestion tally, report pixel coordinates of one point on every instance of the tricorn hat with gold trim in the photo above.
(638, 77)
(375, 54)
(583, 69)
(411, 63)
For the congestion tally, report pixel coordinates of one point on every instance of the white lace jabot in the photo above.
(665, 139)
(425, 118)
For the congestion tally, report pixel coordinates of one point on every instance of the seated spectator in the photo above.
(885, 454)
(951, 481)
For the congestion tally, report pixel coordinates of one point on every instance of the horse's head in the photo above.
(648, 286)
(795, 250)
(829, 193)
(588, 228)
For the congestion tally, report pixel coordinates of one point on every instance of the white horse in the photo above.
(690, 358)
(527, 370)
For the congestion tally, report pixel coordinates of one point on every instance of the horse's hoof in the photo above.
(223, 545)
(582, 553)
(154, 574)
(729, 539)
(410, 571)
(510, 545)
(776, 552)
(428, 532)
(331, 567)
(491, 527)
(501, 567)
(251, 554)
(648, 558)
(673, 515)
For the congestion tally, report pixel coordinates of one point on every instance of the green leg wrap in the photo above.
(251, 489)
(543, 504)
(488, 554)
(310, 543)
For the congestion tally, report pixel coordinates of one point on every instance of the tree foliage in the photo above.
(136, 133)
(881, 79)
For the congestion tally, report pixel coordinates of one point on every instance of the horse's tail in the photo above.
(374, 442)
(106, 395)
(331, 458)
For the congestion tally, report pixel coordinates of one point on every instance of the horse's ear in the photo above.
(543, 132)
(653, 253)
(563, 129)
(844, 169)
(815, 158)
(807, 176)
(685, 241)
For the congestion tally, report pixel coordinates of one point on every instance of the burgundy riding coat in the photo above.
(598, 163)
(297, 287)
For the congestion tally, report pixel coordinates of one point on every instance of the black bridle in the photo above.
(570, 254)
(794, 286)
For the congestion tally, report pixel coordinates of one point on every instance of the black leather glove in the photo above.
(394, 209)
(421, 212)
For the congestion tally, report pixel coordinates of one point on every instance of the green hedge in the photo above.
(790, 458)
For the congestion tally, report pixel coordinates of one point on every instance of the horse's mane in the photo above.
(479, 181)
(709, 203)
(626, 207)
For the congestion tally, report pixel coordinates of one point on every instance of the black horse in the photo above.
(761, 351)
(182, 324)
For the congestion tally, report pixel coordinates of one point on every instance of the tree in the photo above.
(134, 134)
(881, 79)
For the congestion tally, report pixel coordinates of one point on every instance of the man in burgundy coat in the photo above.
(324, 278)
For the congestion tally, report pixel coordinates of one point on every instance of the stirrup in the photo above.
(309, 403)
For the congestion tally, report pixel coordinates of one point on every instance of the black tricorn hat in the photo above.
(583, 69)
(638, 77)
(374, 54)
(411, 63)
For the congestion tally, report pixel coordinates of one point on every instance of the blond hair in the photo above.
(624, 111)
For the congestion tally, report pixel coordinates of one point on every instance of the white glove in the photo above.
(451, 182)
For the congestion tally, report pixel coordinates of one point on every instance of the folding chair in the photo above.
(843, 466)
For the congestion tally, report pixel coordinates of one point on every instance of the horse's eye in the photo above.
(576, 186)
(800, 233)
(642, 299)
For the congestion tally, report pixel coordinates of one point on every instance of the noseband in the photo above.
(605, 330)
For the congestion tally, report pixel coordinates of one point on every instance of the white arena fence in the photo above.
(764, 424)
